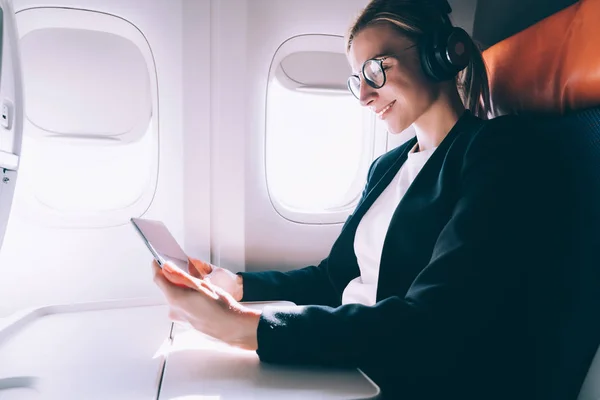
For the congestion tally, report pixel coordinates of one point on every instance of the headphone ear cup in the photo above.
(459, 48)
(445, 53)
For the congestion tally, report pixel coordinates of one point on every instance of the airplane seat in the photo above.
(550, 74)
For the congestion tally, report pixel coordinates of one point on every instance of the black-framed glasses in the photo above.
(373, 72)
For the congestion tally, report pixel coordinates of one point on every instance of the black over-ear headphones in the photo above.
(446, 51)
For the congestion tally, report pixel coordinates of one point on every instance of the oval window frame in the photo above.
(375, 140)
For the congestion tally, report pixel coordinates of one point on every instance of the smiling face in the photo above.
(407, 93)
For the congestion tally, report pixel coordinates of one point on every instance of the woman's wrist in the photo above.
(239, 292)
(247, 334)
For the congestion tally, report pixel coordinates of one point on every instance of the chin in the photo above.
(398, 123)
(395, 129)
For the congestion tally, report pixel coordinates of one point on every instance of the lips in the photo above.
(385, 109)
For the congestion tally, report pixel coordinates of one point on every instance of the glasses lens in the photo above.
(374, 74)
(354, 86)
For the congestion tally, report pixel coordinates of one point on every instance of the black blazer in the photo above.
(463, 276)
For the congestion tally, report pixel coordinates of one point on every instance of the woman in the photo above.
(428, 287)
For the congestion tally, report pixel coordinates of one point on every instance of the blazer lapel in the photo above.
(379, 187)
(413, 229)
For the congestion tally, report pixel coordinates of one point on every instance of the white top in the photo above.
(373, 227)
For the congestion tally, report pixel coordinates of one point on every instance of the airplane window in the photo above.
(84, 176)
(318, 149)
(90, 142)
(319, 141)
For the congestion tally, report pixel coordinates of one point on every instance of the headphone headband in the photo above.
(445, 6)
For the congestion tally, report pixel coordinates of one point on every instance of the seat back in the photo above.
(549, 74)
(575, 137)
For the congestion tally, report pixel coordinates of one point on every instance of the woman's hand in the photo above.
(207, 308)
(221, 277)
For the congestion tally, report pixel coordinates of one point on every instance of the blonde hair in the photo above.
(417, 18)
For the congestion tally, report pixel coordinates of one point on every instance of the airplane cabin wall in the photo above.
(197, 124)
(47, 265)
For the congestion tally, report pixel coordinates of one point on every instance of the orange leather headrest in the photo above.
(552, 66)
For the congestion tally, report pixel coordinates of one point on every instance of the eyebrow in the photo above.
(378, 55)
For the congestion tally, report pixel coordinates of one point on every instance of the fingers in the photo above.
(199, 267)
(179, 277)
(178, 286)
(159, 272)
(174, 294)
(176, 276)
(193, 271)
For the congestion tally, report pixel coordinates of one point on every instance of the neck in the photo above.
(433, 126)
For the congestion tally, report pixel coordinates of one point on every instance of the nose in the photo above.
(367, 94)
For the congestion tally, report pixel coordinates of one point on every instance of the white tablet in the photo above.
(161, 243)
